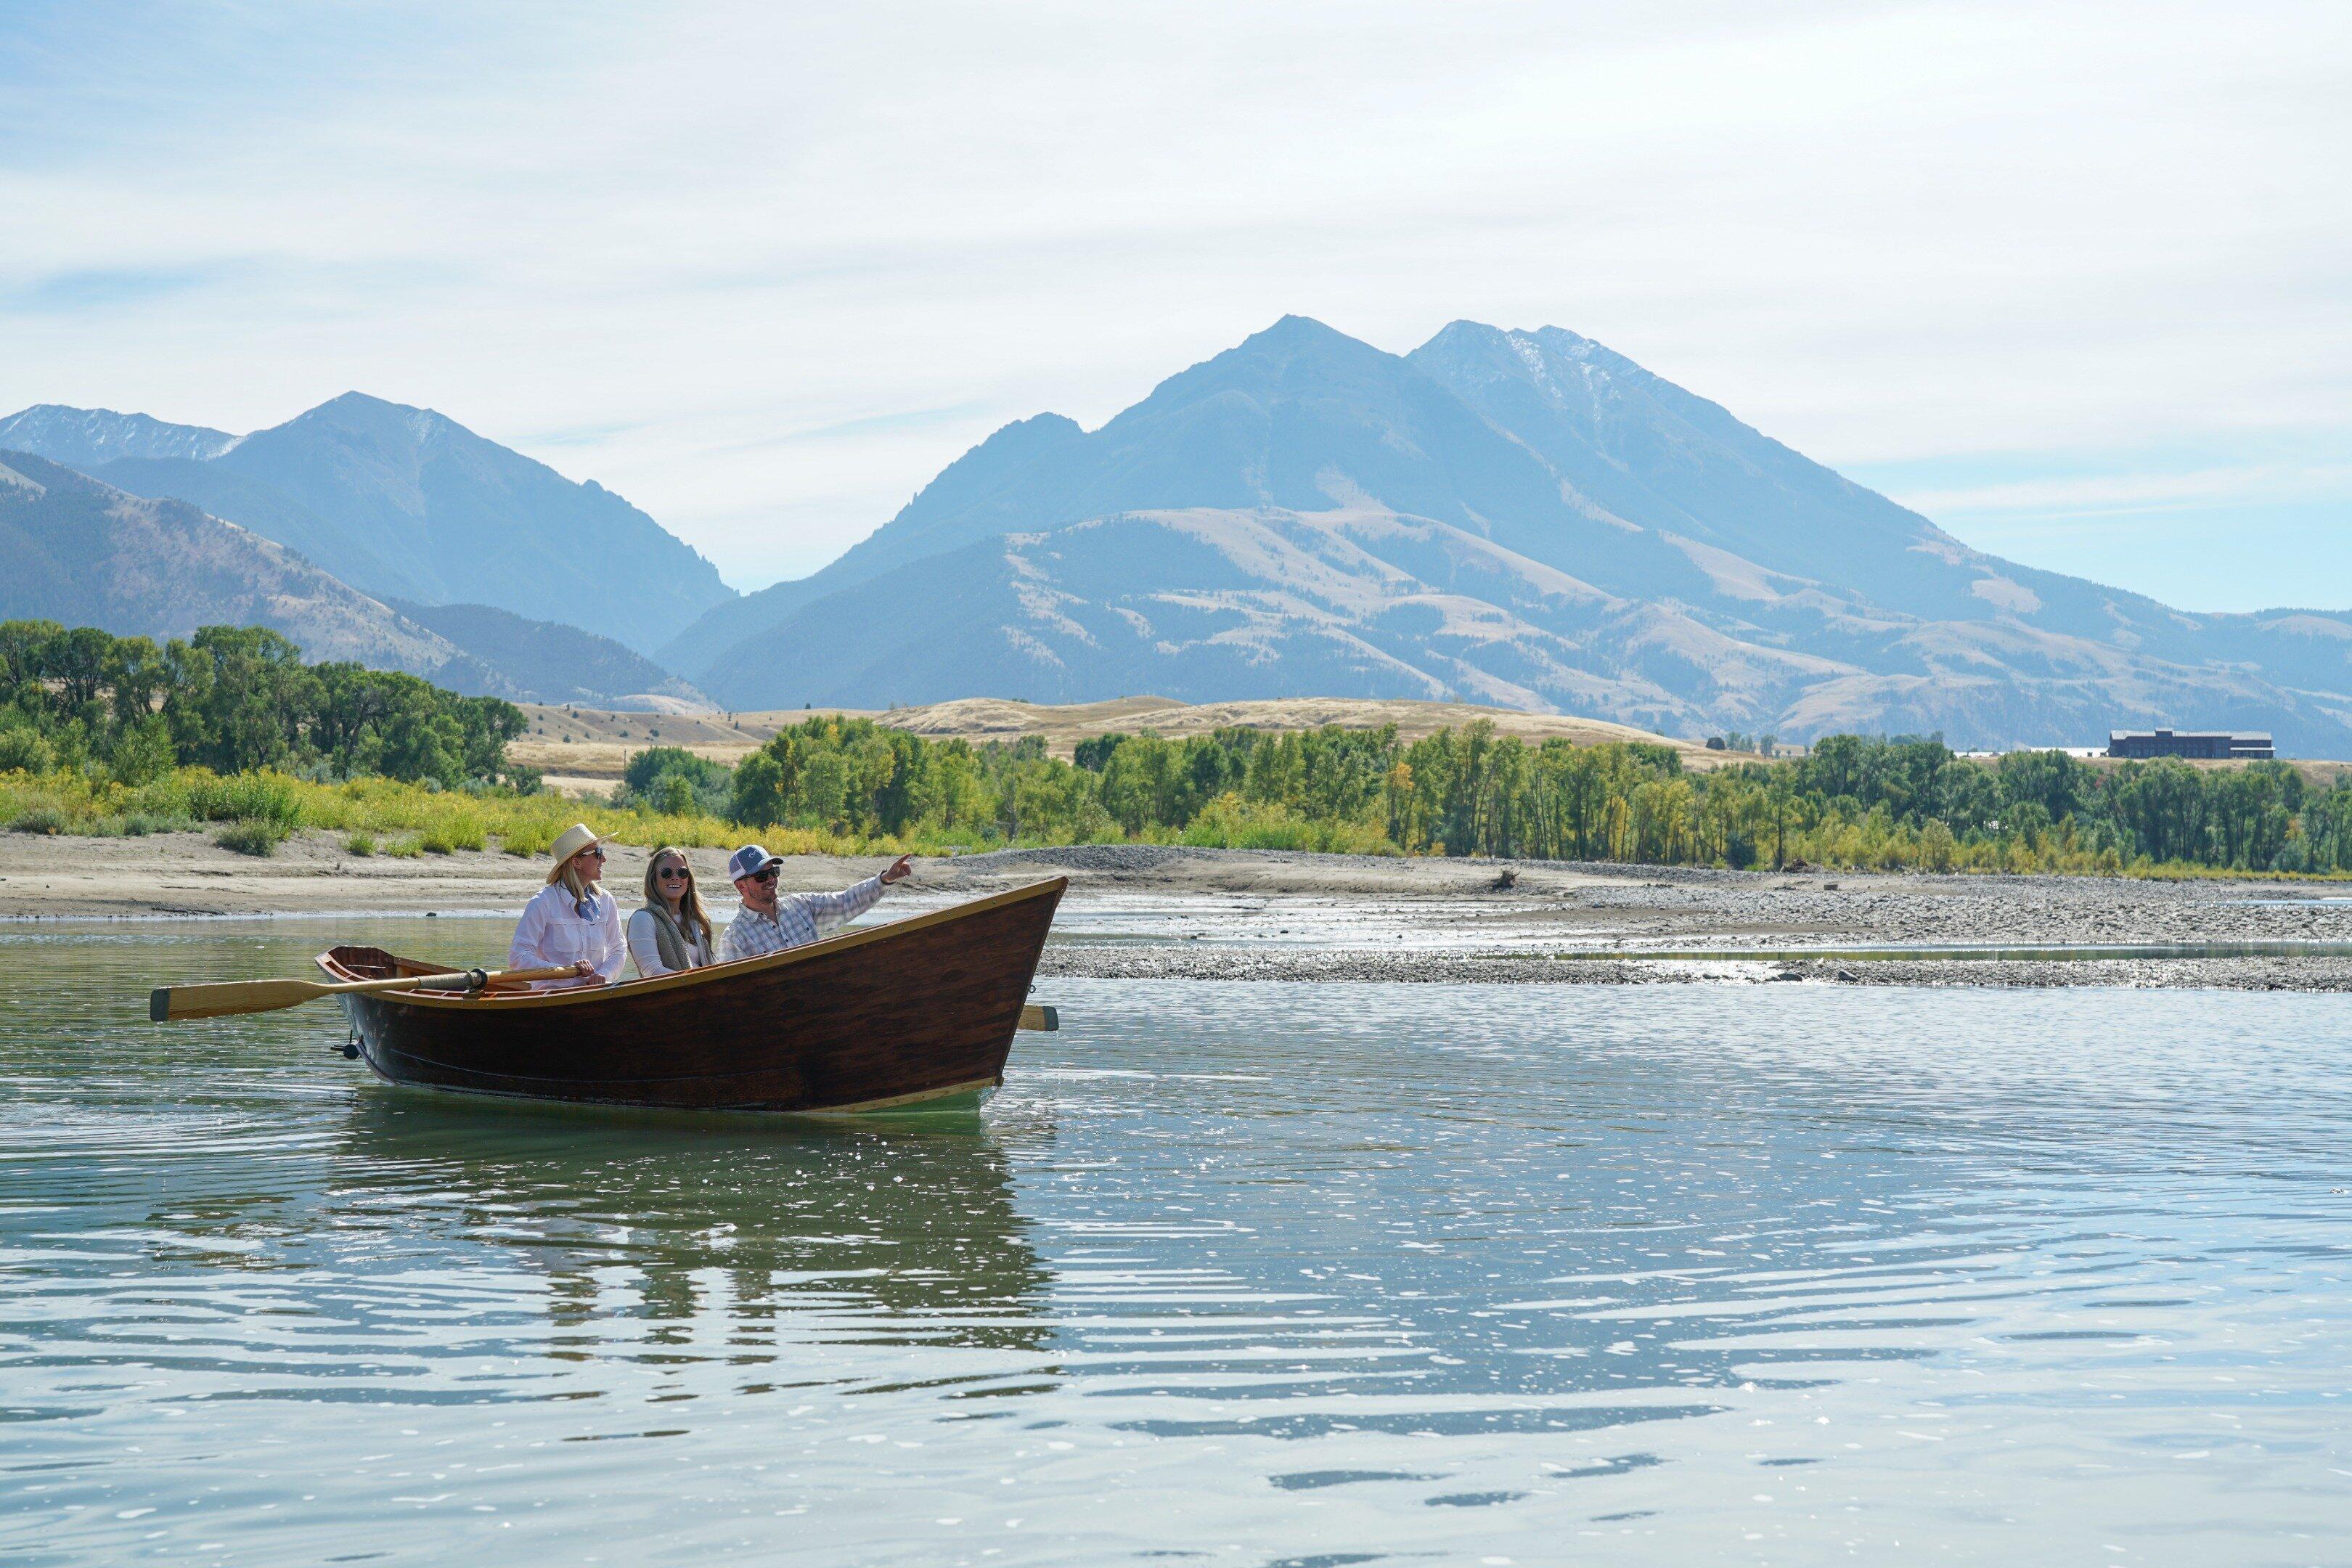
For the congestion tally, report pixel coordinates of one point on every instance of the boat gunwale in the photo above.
(733, 969)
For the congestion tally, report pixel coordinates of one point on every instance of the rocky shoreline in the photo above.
(1488, 922)
(1155, 913)
(1082, 963)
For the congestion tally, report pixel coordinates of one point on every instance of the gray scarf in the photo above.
(670, 937)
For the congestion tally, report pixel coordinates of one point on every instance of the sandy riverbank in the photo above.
(1146, 912)
(187, 874)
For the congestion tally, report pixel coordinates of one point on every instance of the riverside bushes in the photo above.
(848, 786)
(112, 735)
(387, 816)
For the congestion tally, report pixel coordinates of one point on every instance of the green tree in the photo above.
(241, 699)
(762, 789)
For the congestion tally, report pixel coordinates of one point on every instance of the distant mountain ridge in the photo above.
(1522, 518)
(548, 661)
(79, 552)
(1518, 517)
(79, 437)
(405, 501)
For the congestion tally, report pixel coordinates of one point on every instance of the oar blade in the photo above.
(1046, 1020)
(171, 1003)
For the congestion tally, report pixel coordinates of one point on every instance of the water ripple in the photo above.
(1260, 1273)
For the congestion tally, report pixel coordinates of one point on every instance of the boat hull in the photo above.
(914, 1012)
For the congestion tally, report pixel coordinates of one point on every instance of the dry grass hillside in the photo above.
(990, 718)
(586, 747)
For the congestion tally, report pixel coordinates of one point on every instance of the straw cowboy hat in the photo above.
(571, 842)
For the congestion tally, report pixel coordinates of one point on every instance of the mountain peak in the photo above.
(1049, 426)
(1294, 340)
(1297, 328)
(379, 419)
(1296, 353)
(1463, 341)
(1301, 335)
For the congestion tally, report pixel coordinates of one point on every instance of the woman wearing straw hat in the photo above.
(572, 920)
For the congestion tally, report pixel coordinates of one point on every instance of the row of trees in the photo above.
(1853, 801)
(239, 699)
(233, 699)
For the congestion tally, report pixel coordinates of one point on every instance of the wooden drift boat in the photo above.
(917, 1010)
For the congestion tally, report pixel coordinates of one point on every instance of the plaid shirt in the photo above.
(800, 918)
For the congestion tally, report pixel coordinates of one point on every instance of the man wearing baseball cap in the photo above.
(771, 924)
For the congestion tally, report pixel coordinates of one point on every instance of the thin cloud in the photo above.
(713, 253)
(2139, 492)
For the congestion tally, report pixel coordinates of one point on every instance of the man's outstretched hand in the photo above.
(900, 868)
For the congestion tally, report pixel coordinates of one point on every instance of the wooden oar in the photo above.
(170, 1004)
(1046, 1019)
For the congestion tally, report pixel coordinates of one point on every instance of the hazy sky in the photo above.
(2074, 279)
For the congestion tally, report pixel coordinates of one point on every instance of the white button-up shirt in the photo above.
(800, 918)
(554, 935)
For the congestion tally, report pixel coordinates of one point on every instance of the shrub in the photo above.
(404, 848)
(360, 844)
(254, 836)
(528, 838)
(22, 749)
(449, 832)
(143, 753)
(246, 798)
(1229, 822)
(41, 819)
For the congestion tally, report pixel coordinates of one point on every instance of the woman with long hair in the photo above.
(572, 920)
(673, 931)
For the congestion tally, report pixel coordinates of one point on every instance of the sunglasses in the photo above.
(767, 876)
(595, 849)
(670, 872)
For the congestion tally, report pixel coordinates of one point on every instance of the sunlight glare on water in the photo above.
(1231, 1273)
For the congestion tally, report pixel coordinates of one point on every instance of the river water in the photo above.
(1227, 1273)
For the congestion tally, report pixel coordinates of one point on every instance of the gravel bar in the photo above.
(1070, 961)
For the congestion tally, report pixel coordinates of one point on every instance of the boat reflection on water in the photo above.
(876, 1232)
